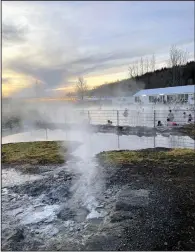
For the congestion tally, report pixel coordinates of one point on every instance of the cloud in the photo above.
(12, 33)
(64, 40)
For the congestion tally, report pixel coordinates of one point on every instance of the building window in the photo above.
(137, 99)
(152, 99)
(186, 98)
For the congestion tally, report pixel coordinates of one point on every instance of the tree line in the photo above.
(144, 73)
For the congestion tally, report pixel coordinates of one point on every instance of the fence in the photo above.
(141, 117)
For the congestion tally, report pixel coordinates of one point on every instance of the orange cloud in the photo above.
(14, 82)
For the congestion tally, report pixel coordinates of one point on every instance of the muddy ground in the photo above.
(139, 208)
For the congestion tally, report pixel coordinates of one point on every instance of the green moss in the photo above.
(46, 152)
(173, 156)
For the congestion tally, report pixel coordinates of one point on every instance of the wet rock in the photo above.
(42, 214)
(66, 214)
(58, 194)
(17, 235)
(81, 214)
(96, 220)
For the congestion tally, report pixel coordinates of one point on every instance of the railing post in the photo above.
(154, 118)
(118, 129)
(46, 133)
(117, 118)
(154, 128)
(89, 118)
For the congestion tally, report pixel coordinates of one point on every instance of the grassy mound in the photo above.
(42, 153)
(176, 156)
(152, 162)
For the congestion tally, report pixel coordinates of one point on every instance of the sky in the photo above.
(53, 43)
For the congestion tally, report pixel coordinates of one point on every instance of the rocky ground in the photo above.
(139, 208)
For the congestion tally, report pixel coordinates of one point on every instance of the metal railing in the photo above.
(135, 118)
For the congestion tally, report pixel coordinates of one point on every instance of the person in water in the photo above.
(169, 123)
(189, 118)
(159, 123)
(125, 114)
(109, 122)
(170, 116)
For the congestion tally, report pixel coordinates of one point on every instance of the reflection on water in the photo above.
(97, 142)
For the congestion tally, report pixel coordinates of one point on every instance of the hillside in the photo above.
(165, 77)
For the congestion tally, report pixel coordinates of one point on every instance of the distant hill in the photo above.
(165, 77)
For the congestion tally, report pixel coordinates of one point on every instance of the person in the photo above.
(170, 123)
(125, 112)
(159, 123)
(170, 116)
(109, 122)
(184, 115)
(189, 118)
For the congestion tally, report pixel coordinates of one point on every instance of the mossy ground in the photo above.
(173, 156)
(176, 163)
(34, 153)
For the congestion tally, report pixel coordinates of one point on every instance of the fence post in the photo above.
(118, 129)
(154, 128)
(46, 133)
(89, 118)
(154, 118)
(117, 118)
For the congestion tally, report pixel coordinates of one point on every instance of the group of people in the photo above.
(170, 119)
(125, 114)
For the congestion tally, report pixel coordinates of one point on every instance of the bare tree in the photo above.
(132, 71)
(177, 58)
(153, 63)
(81, 88)
(146, 65)
(141, 69)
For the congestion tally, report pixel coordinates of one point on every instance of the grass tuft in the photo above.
(34, 153)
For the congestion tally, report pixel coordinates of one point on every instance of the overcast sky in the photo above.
(55, 42)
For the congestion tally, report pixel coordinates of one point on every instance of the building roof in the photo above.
(169, 90)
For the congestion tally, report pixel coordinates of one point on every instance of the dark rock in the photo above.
(121, 216)
(17, 235)
(58, 194)
(66, 214)
(103, 242)
(129, 199)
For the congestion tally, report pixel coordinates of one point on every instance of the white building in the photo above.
(183, 94)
